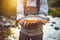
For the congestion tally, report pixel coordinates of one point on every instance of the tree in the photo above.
(54, 3)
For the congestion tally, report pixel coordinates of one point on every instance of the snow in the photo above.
(50, 33)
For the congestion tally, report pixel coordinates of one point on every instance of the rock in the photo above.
(56, 28)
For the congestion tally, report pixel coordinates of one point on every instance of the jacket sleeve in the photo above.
(43, 7)
(20, 10)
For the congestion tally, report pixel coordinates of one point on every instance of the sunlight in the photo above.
(13, 3)
(9, 7)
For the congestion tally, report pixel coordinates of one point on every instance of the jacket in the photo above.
(43, 11)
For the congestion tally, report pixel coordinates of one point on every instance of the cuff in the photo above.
(43, 15)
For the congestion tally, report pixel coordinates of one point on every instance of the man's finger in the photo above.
(40, 23)
(44, 22)
(24, 24)
(21, 22)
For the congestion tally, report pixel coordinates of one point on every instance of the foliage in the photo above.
(54, 7)
(54, 12)
(54, 3)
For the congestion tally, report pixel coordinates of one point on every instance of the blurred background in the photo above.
(8, 7)
(54, 7)
(8, 15)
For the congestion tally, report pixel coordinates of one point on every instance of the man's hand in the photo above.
(42, 22)
(23, 23)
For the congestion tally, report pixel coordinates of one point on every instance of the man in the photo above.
(24, 9)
